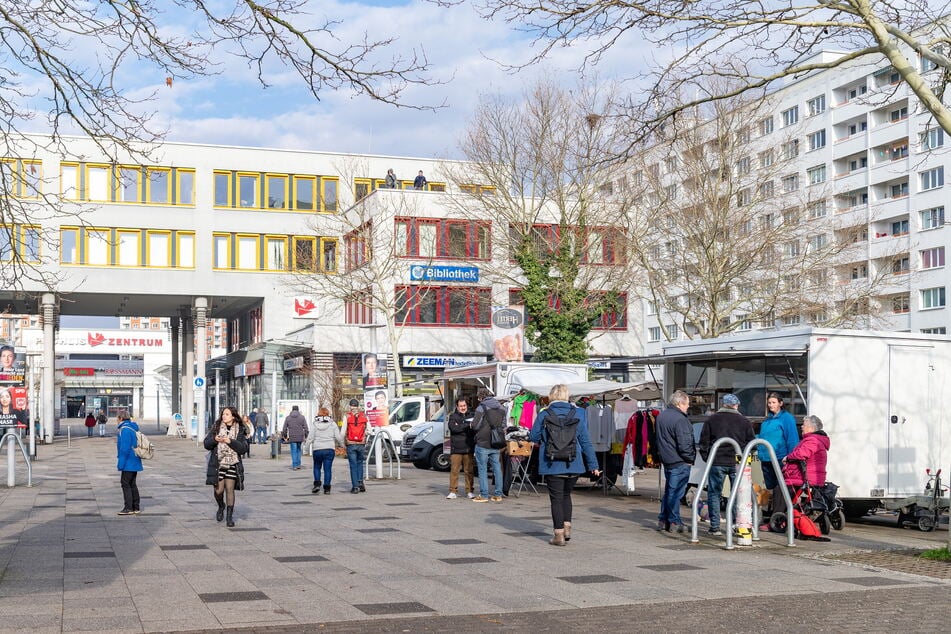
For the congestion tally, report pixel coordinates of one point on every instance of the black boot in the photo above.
(230, 521)
(326, 489)
(363, 489)
(220, 515)
(316, 488)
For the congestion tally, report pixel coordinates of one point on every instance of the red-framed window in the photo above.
(444, 306)
(544, 239)
(601, 246)
(607, 320)
(444, 239)
(357, 247)
(256, 320)
(358, 308)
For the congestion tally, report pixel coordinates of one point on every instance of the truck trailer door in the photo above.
(910, 409)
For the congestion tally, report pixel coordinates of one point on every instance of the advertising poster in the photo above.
(13, 394)
(376, 400)
(508, 329)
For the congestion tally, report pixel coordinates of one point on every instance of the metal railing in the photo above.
(695, 507)
(383, 441)
(790, 528)
(11, 464)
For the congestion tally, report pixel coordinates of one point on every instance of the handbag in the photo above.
(497, 437)
(239, 484)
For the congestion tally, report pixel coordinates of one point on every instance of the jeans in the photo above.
(488, 457)
(559, 494)
(459, 461)
(674, 489)
(715, 491)
(323, 459)
(89, 432)
(260, 435)
(356, 456)
(295, 455)
(102, 430)
(130, 491)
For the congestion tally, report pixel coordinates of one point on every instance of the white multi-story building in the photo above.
(859, 134)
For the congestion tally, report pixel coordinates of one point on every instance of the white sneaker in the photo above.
(470, 495)
(452, 495)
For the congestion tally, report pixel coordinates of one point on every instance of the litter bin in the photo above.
(275, 446)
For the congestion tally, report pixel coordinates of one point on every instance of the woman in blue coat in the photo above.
(553, 426)
(779, 430)
(128, 463)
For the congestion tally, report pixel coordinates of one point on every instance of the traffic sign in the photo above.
(199, 382)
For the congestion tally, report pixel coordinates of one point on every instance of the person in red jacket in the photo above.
(355, 437)
(813, 449)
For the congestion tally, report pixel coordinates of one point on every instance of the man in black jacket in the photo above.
(461, 449)
(677, 453)
(726, 423)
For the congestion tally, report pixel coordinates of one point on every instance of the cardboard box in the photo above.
(519, 448)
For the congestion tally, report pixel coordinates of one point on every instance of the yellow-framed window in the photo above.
(305, 193)
(158, 248)
(97, 245)
(69, 245)
(223, 189)
(275, 253)
(275, 192)
(304, 253)
(32, 178)
(9, 180)
(362, 187)
(128, 247)
(98, 180)
(328, 255)
(128, 184)
(30, 243)
(248, 190)
(69, 181)
(246, 251)
(158, 185)
(185, 249)
(330, 187)
(221, 252)
(436, 187)
(185, 187)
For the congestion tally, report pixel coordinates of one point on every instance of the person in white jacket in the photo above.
(323, 439)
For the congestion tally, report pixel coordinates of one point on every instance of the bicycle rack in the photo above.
(383, 438)
(695, 506)
(11, 473)
(790, 528)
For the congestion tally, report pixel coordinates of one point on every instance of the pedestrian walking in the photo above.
(677, 451)
(322, 443)
(294, 432)
(355, 437)
(101, 422)
(248, 432)
(128, 464)
(90, 424)
(226, 442)
(565, 452)
(261, 423)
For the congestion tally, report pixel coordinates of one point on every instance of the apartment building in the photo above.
(875, 161)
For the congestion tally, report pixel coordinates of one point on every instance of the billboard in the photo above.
(508, 326)
(375, 394)
(13, 394)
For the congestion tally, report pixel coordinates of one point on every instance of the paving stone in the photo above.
(392, 608)
(222, 597)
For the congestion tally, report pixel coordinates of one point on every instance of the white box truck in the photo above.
(882, 396)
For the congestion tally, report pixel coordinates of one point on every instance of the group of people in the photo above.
(392, 182)
(471, 440)
(97, 420)
(678, 451)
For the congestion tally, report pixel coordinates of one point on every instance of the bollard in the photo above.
(69, 429)
(275, 446)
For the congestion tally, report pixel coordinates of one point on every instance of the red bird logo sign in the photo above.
(303, 306)
(96, 339)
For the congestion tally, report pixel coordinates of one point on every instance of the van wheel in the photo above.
(421, 464)
(438, 460)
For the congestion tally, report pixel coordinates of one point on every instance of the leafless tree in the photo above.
(536, 170)
(691, 40)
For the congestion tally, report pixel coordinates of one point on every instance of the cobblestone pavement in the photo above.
(401, 557)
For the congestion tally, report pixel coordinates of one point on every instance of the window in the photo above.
(600, 247)
(443, 306)
(222, 189)
(613, 315)
(790, 320)
(901, 265)
(432, 238)
(817, 140)
(817, 209)
(790, 217)
(127, 247)
(222, 251)
(932, 258)
(858, 163)
(899, 151)
(21, 178)
(98, 179)
(899, 227)
(651, 308)
(746, 227)
(932, 179)
(765, 158)
(791, 282)
(765, 127)
(329, 199)
(790, 149)
(304, 250)
(856, 91)
(818, 278)
(19, 241)
(282, 192)
(816, 174)
(859, 272)
(817, 242)
(305, 191)
(744, 135)
(928, 65)
(186, 186)
(855, 128)
(766, 221)
(898, 114)
(940, 330)
(358, 308)
(158, 248)
(248, 190)
(857, 198)
(744, 322)
(673, 332)
(246, 252)
(128, 185)
(898, 190)
(790, 116)
(69, 180)
(790, 183)
(743, 166)
(653, 333)
(276, 192)
(791, 249)
(766, 190)
(816, 105)
(931, 139)
(932, 218)
(932, 298)
(328, 250)
(670, 164)
(69, 246)
(275, 253)
(158, 185)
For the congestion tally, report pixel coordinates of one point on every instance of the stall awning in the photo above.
(639, 391)
(660, 359)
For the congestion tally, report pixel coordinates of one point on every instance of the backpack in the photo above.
(102, 419)
(357, 428)
(562, 436)
(143, 446)
(495, 417)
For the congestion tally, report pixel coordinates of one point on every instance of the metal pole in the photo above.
(217, 391)
(158, 411)
(272, 417)
(11, 466)
(201, 330)
(31, 403)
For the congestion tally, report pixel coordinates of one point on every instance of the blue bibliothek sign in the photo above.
(435, 273)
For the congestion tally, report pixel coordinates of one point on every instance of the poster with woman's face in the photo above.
(374, 370)
(12, 365)
(377, 405)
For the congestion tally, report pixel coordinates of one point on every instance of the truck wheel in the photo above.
(438, 460)
(838, 519)
(421, 464)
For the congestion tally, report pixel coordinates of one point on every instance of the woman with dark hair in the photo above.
(226, 442)
(10, 418)
(779, 430)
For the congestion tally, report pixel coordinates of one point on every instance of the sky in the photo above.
(233, 109)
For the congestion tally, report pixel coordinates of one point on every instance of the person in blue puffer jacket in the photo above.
(779, 430)
(561, 475)
(128, 463)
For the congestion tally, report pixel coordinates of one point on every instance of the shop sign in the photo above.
(304, 307)
(440, 362)
(79, 372)
(421, 273)
(122, 372)
(296, 363)
(253, 368)
(599, 365)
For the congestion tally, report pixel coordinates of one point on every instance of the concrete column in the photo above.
(176, 367)
(201, 354)
(188, 372)
(47, 385)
